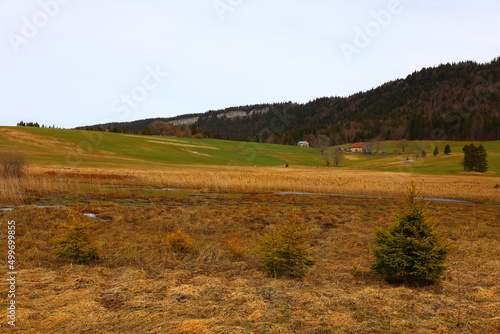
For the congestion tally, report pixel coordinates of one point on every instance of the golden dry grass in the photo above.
(140, 285)
(176, 143)
(250, 180)
(322, 180)
(29, 139)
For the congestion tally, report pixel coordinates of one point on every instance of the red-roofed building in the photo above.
(359, 148)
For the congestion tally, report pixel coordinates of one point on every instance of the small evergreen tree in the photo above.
(285, 251)
(475, 158)
(447, 149)
(75, 246)
(413, 249)
(436, 151)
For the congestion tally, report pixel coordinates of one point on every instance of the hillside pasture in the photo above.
(391, 158)
(76, 148)
(135, 191)
(101, 149)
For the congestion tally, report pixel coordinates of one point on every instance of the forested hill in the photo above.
(459, 101)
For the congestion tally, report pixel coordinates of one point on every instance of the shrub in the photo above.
(436, 151)
(447, 149)
(180, 242)
(413, 249)
(285, 251)
(13, 164)
(75, 245)
(234, 248)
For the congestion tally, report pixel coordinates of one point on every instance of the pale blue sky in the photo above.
(72, 63)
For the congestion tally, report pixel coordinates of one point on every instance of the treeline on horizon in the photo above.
(34, 125)
(457, 101)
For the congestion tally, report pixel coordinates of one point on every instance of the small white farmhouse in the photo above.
(303, 143)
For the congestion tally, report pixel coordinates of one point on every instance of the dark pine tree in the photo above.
(481, 159)
(469, 151)
(436, 151)
(475, 158)
(413, 250)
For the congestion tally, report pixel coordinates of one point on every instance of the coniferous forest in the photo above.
(459, 101)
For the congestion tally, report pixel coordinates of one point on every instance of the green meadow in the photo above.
(104, 149)
(394, 160)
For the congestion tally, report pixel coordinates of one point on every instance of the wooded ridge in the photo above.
(458, 101)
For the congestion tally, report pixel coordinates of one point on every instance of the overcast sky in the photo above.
(71, 63)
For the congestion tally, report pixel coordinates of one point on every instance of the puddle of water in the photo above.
(36, 206)
(324, 194)
(95, 216)
(448, 200)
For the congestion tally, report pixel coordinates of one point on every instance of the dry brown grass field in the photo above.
(63, 182)
(140, 285)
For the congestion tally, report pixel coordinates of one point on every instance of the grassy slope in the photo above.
(440, 164)
(95, 149)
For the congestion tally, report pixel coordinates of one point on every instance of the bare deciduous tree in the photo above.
(160, 128)
(402, 144)
(327, 155)
(376, 144)
(323, 142)
(338, 157)
(368, 148)
(13, 164)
